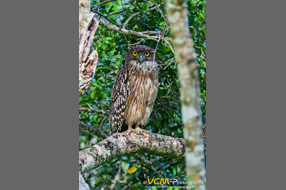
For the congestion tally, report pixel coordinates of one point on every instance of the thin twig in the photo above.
(202, 53)
(93, 110)
(96, 131)
(202, 58)
(103, 121)
(169, 62)
(99, 4)
(157, 6)
(106, 17)
(147, 163)
(152, 32)
(155, 53)
(116, 178)
(155, 160)
(132, 16)
(129, 185)
(116, 13)
(137, 42)
(169, 45)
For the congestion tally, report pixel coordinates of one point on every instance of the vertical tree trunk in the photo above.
(88, 58)
(86, 70)
(84, 10)
(190, 91)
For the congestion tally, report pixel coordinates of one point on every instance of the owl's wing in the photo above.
(119, 95)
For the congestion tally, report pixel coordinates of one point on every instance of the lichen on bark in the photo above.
(123, 143)
(190, 95)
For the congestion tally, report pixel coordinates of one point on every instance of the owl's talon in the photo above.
(140, 131)
(137, 131)
(128, 131)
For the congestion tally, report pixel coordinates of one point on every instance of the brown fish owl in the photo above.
(134, 91)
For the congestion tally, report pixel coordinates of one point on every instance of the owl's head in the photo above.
(141, 56)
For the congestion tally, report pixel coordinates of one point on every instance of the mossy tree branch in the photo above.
(82, 184)
(123, 143)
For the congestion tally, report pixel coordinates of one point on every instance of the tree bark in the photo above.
(82, 184)
(84, 10)
(190, 91)
(122, 143)
(88, 58)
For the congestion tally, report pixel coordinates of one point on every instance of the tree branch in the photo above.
(147, 163)
(82, 184)
(159, 10)
(98, 132)
(106, 17)
(123, 143)
(99, 4)
(116, 13)
(116, 178)
(135, 14)
(91, 129)
(131, 32)
(94, 111)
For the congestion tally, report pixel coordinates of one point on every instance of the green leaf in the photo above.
(125, 166)
(95, 118)
(144, 7)
(92, 95)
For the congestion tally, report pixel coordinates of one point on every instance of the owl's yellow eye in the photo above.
(135, 53)
(147, 53)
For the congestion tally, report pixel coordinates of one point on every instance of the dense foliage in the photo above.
(166, 117)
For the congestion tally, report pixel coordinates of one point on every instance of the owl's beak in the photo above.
(141, 58)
